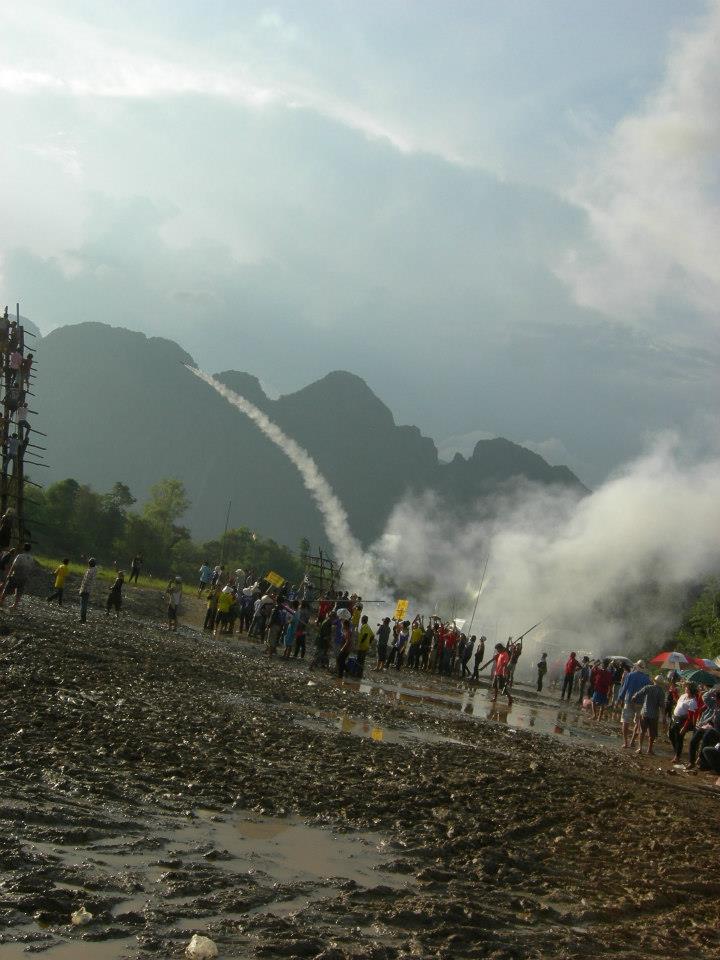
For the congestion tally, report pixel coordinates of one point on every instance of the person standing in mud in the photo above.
(86, 588)
(291, 629)
(205, 574)
(222, 617)
(301, 630)
(17, 578)
(383, 638)
(515, 652)
(114, 598)
(501, 662)
(652, 700)
(583, 679)
(276, 622)
(364, 639)
(636, 679)
(571, 668)
(174, 596)
(401, 643)
(426, 646)
(681, 719)
(602, 685)
(323, 641)
(415, 637)
(479, 654)
(541, 671)
(60, 573)
(135, 565)
(211, 611)
(344, 648)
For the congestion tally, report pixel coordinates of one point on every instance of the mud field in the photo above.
(172, 784)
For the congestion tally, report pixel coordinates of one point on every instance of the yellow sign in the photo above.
(400, 610)
(275, 579)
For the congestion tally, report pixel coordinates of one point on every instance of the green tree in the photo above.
(700, 633)
(167, 504)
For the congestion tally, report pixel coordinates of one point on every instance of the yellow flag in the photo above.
(275, 579)
(400, 610)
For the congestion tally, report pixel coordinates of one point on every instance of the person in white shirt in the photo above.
(22, 567)
(86, 586)
(681, 719)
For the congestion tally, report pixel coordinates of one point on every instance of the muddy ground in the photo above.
(173, 784)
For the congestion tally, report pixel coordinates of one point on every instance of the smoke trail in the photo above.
(333, 513)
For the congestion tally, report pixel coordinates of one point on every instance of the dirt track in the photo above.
(173, 784)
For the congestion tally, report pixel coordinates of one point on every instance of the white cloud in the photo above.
(652, 197)
(85, 61)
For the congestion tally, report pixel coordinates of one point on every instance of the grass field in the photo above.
(104, 573)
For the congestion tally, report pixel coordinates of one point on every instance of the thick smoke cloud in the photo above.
(601, 571)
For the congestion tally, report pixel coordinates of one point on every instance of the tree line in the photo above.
(70, 519)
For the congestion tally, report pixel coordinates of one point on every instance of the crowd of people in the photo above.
(288, 619)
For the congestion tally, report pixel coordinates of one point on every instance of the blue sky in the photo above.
(503, 215)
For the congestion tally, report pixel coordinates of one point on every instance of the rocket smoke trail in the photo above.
(333, 513)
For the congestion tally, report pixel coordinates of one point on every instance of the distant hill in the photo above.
(117, 405)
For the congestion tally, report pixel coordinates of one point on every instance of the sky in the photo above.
(504, 216)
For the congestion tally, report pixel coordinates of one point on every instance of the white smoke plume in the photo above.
(333, 513)
(602, 571)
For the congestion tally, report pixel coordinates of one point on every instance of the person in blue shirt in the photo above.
(205, 578)
(634, 680)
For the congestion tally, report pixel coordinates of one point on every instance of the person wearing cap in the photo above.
(174, 595)
(652, 701)
(635, 680)
(86, 587)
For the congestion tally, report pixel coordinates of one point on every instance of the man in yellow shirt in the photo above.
(225, 601)
(365, 638)
(60, 573)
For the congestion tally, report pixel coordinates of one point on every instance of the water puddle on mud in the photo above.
(542, 718)
(369, 729)
(71, 950)
(182, 874)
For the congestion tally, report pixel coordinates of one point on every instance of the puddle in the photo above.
(573, 722)
(72, 950)
(176, 869)
(368, 729)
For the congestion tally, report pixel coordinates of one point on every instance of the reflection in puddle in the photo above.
(71, 950)
(282, 865)
(541, 718)
(368, 729)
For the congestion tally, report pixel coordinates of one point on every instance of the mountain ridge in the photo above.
(118, 405)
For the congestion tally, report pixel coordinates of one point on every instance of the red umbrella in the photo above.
(670, 659)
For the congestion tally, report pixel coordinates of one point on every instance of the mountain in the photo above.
(117, 405)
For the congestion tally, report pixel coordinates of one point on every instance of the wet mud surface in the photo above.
(172, 784)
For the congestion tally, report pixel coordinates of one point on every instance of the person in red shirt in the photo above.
(571, 668)
(324, 608)
(501, 659)
(601, 689)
